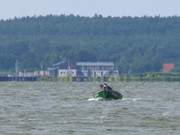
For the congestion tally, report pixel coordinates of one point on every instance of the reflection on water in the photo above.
(54, 108)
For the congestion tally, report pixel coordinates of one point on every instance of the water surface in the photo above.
(60, 108)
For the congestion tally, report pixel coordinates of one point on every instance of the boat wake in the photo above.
(94, 99)
(132, 99)
(123, 99)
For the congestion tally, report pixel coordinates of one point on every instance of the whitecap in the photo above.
(132, 99)
(94, 99)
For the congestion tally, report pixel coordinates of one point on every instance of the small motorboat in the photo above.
(108, 95)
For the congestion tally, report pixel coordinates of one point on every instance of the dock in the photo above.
(17, 78)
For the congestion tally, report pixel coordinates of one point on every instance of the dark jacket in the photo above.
(111, 93)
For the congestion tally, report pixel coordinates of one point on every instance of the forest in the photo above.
(134, 44)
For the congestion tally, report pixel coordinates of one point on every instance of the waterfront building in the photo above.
(67, 72)
(96, 69)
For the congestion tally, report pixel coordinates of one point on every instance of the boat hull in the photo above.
(108, 95)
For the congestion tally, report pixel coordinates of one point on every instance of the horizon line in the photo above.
(90, 16)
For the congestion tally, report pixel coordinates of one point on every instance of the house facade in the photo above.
(96, 69)
(84, 70)
(67, 72)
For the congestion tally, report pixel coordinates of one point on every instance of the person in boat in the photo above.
(106, 92)
(110, 92)
(107, 87)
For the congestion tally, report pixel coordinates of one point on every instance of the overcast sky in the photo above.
(18, 8)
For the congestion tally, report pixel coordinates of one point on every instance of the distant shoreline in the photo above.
(127, 77)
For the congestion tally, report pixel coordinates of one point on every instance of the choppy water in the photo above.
(56, 108)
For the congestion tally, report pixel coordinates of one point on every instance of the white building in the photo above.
(67, 72)
(96, 69)
(41, 73)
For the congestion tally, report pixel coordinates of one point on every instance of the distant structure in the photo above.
(67, 72)
(83, 70)
(168, 67)
(96, 69)
(54, 70)
(16, 67)
(41, 73)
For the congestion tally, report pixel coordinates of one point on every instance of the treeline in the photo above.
(135, 44)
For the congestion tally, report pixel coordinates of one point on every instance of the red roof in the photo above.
(168, 67)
